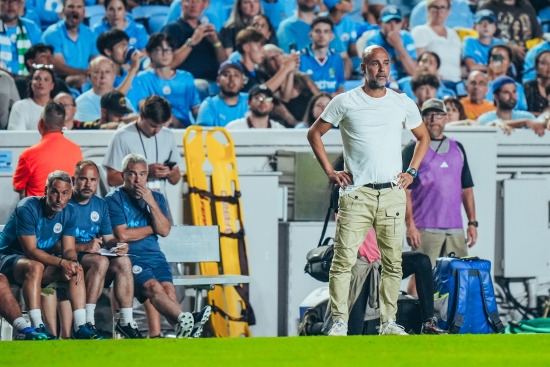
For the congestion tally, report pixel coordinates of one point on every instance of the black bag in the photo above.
(408, 314)
(319, 260)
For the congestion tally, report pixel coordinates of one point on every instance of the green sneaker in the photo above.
(42, 330)
(30, 333)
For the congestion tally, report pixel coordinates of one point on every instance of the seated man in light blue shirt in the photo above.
(102, 77)
(505, 117)
(230, 104)
(73, 42)
(398, 42)
(177, 86)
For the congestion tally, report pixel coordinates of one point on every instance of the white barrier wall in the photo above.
(262, 202)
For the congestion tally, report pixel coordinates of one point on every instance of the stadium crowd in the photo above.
(146, 67)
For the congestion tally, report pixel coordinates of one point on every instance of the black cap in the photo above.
(115, 101)
(260, 88)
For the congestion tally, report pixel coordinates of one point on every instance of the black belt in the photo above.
(380, 186)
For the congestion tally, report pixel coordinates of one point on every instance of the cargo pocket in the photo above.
(393, 220)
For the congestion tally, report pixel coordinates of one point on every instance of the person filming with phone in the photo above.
(148, 136)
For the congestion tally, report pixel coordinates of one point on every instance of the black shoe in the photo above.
(200, 319)
(430, 327)
(129, 331)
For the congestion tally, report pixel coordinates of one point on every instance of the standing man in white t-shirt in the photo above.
(372, 193)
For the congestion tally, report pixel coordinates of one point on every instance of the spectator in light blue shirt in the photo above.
(475, 50)
(74, 43)
(116, 17)
(398, 42)
(505, 116)
(230, 104)
(500, 64)
(177, 86)
(321, 63)
(345, 33)
(293, 32)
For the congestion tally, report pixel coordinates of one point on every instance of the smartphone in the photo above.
(292, 47)
(497, 58)
(169, 164)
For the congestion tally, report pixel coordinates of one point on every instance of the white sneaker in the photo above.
(391, 328)
(339, 328)
(184, 326)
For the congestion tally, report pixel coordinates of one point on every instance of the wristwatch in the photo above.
(412, 171)
(189, 43)
(473, 223)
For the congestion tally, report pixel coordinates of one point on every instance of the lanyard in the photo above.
(143, 145)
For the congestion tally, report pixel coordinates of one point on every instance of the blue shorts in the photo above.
(7, 263)
(149, 267)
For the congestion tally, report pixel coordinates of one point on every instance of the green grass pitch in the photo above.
(415, 351)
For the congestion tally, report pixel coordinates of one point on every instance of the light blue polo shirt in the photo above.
(76, 53)
(135, 31)
(215, 112)
(293, 31)
(180, 91)
(491, 116)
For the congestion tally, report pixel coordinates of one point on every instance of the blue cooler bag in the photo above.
(464, 296)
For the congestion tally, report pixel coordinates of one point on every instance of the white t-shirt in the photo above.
(155, 149)
(447, 48)
(24, 115)
(371, 133)
(243, 124)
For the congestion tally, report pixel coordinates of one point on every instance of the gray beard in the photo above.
(373, 84)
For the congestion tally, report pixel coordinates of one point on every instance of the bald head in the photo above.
(376, 68)
(370, 50)
(477, 86)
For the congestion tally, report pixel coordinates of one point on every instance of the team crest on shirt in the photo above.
(57, 228)
(166, 90)
(94, 216)
(331, 72)
(136, 269)
(132, 41)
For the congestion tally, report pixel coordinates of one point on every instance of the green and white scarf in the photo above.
(23, 43)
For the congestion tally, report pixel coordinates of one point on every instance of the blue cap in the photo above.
(501, 81)
(485, 14)
(330, 3)
(390, 12)
(228, 64)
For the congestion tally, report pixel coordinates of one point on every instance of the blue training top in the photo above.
(92, 219)
(28, 219)
(135, 214)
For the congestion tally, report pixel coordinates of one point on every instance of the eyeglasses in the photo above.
(161, 50)
(438, 8)
(42, 66)
(263, 99)
(434, 115)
